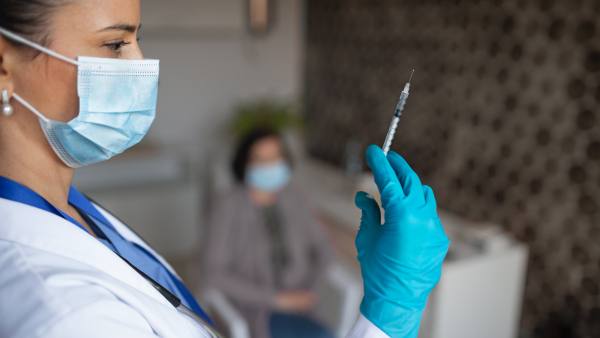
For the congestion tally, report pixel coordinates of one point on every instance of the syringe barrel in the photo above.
(390, 135)
(393, 126)
(401, 103)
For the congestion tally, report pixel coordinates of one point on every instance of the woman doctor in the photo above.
(76, 90)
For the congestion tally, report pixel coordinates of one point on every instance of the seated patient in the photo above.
(263, 248)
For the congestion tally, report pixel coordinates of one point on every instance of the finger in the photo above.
(411, 184)
(382, 170)
(371, 214)
(429, 197)
(431, 203)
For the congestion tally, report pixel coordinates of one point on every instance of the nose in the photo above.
(136, 52)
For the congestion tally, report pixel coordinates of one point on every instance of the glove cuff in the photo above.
(395, 320)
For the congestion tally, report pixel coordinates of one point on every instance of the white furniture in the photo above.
(481, 289)
(221, 310)
(343, 283)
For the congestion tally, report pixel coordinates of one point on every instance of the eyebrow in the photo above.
(122, 27)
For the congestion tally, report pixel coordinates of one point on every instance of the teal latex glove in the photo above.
(400, 260)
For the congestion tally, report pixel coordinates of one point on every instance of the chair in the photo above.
(339, 279)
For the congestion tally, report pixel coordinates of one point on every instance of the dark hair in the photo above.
(243, 151)
(28, 18)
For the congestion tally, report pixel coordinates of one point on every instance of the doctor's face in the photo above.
(99, 28)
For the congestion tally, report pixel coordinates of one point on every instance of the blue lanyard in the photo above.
(16, 192)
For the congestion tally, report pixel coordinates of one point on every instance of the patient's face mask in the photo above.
(117, 104)
(269, 177)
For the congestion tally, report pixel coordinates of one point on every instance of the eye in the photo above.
(116, 46)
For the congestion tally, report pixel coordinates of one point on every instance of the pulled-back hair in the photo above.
(29, 19)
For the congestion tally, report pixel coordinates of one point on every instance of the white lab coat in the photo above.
(58, 281)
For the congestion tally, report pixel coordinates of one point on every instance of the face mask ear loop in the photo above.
(30, 107)
(17, 38)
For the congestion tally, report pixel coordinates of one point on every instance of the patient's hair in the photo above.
(29, 19)
(240, 160)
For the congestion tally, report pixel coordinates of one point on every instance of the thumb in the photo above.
(371, 214)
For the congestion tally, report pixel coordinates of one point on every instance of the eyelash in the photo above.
(116, 46)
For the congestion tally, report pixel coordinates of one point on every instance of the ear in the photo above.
(7, 53)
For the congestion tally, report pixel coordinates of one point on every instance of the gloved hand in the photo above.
(400, 260)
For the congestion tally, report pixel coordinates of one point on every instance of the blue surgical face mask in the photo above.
(117, 104)
(270, 177)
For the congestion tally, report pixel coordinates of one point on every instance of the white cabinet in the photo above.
(480, 293)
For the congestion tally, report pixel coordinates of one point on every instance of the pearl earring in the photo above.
(7, 109)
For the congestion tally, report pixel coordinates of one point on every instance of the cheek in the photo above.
(50, 85)
(62, 80)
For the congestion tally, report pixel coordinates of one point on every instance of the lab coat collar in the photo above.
(17, 192)
(27, 225)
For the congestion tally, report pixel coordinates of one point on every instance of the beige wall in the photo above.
(209, 64)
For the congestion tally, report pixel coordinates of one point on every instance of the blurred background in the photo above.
(501, 122)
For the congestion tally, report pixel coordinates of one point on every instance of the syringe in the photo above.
(394, 125)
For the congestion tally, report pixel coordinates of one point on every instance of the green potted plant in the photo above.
(265, 113)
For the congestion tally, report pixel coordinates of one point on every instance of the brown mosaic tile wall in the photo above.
(502, 122)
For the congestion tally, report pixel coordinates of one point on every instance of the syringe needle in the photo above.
(411, 74)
